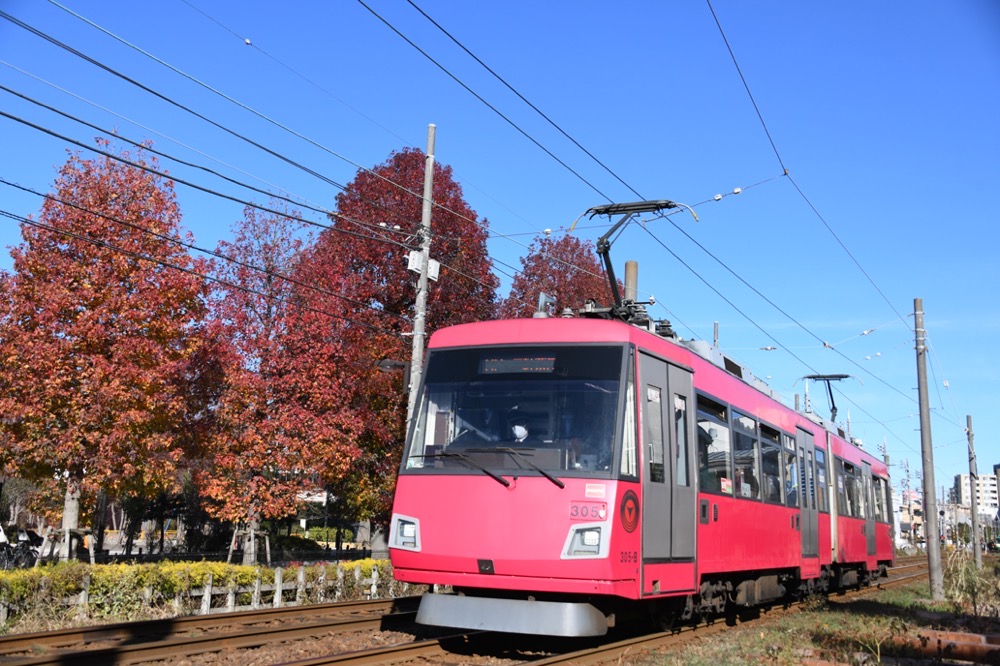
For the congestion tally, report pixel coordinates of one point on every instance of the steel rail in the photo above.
(173, 646)
(159, 629)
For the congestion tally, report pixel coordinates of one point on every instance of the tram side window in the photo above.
(838, 469)
(654, 432)
(770, 464)
(821, 486)
(791, 472)
(681, 429)
(881, 515)
(714, 447)
(629, 462)
(745, 457)
(853, 492)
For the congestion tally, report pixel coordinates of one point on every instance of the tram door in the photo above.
(807, 492)
(866, 473)
(669, 495)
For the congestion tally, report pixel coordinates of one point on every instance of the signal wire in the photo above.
(194, 273)
(761, 329)
(480, 98)
(243, 106)
(523, 98)
(200, 188)
(232, 132)
(781, 162)
(192, 246)
(253, 45)
(215, 192)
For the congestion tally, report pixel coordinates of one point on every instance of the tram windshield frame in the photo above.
(568, 400)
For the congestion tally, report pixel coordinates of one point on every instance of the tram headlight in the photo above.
(405, 533)
(584, 542)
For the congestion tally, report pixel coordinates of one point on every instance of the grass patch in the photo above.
(858, 631)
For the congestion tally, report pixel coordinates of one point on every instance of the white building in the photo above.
(987, 500)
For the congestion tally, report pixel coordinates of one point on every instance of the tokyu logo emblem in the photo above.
(630, 511)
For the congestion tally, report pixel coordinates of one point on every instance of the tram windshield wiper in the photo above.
(468, 461)
(517, 454)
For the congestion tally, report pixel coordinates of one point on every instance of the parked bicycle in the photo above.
(18, 556)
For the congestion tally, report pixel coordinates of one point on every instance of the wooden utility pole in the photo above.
(420, 309)
(974, 487)
(931, 519)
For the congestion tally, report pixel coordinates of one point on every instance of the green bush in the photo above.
(46, 597)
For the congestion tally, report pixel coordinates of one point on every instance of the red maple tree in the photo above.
(253, 468)
(565, 269)
(107, 367)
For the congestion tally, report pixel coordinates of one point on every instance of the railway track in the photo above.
(137, 642)
(235, 634)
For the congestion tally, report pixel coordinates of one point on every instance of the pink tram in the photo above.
(563, 474)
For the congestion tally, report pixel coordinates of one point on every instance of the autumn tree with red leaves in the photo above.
(566, 270)
(254, 468)
(106, 365)
(368, 299)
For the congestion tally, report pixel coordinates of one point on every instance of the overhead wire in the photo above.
(194, 273)
(218, 125)
(523, 98)
(481, 99)
(247, 108)
(781, 162)
(212, 253)
(228, 98)
(255, 46)
(543, 114)
(792, 181)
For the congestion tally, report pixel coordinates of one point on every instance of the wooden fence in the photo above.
(334, 583)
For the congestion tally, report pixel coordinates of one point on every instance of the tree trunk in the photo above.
(100, 522)
(71, 516)
(250, 541)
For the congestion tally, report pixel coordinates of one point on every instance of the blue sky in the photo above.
(884, 114)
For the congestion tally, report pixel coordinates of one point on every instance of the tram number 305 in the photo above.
(588, 511)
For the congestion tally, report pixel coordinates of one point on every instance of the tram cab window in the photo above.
(714, 447)
(554, 408)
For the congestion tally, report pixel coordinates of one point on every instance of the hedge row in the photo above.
(75, 592)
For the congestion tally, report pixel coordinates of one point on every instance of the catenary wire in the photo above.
(253, 44)
(481, 99)
(192, 246)
(232, 100)
(194, 273)
(523, 98)
(111, 70)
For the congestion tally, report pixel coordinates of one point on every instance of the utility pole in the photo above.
(931, 527)
(420, 309)
(974, 487)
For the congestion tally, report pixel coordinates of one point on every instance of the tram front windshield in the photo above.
(552, 409)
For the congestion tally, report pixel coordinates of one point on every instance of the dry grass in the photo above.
(848, 631)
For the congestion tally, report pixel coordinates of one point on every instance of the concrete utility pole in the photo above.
(420, 309)
(931, 531)
(974, 487)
